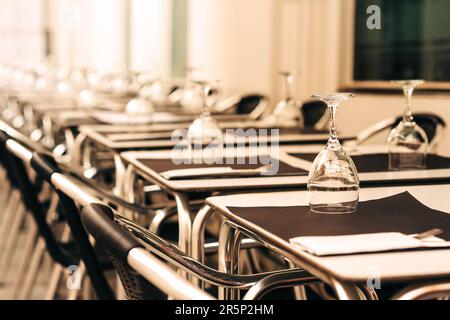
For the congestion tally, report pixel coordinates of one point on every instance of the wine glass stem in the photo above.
(408, 91)
(333, 129)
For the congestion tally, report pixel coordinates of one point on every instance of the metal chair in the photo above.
(71, 190)
(62, 253)
(253, 105)
(433, 125)
(133, 262)
(161, 248)
(425, 291)
(315, 115)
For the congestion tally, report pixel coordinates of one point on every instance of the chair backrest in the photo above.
(45, 168)
(432, 124)
(253, 104)
(29, 192)
(313, 112)
(429, 122)
(134, 277)
(139, 270)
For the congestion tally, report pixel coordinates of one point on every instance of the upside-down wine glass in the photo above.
(204, 134)
(407, 142)
(333, 182)
(287, 111)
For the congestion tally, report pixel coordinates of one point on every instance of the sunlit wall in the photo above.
(242, 43)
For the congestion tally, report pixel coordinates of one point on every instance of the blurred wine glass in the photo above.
(408, 143)
(287, 111)
(205, 131)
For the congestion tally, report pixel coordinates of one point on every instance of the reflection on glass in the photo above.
(333, 182)
(407, 142)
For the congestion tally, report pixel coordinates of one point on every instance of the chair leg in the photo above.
(30, 243)
(11, 241)
(86, 293)
(58, 270)
(4, 196)
(24, 293)
(31, 276)
(120, 291)
(10, 211)
(299, 291)
(80, 276)
(54, 282)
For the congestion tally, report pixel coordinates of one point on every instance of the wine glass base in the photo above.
(334, 208)
(408, 168)
(407, 161)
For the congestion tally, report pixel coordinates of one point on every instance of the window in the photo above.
(413, 42)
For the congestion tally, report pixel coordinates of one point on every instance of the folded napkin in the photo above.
(362, 243)
(121, 118)
(195, 172)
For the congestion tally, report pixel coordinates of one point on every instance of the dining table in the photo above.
(274, 218)
(294, 165)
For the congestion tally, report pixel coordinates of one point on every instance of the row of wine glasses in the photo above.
(333, 181)
(87, 86)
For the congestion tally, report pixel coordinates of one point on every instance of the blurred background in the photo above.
(245, 43)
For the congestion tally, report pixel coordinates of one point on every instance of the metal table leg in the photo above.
(184, 221)
(229, 248)
(198, 238)
(346, 291)
(75, 150)
(120, 175)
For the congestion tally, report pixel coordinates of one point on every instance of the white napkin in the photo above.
(210, 172)
(360, 243)
(195, 172)
(112, 117)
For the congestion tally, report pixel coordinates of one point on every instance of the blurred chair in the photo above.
(135, 278)
(132, 267)
(63, 251)
(70, 192)
(425, 291)
(315, 115)
(433, 125)
(140, 271)
(253, 105)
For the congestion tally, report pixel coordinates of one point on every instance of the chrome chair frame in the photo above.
(425, 291)
(46, 169)
(173, 254)
(229, 245)
(163, 249)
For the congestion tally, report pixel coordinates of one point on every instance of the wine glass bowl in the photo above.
(333, 181)
(407, 142)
